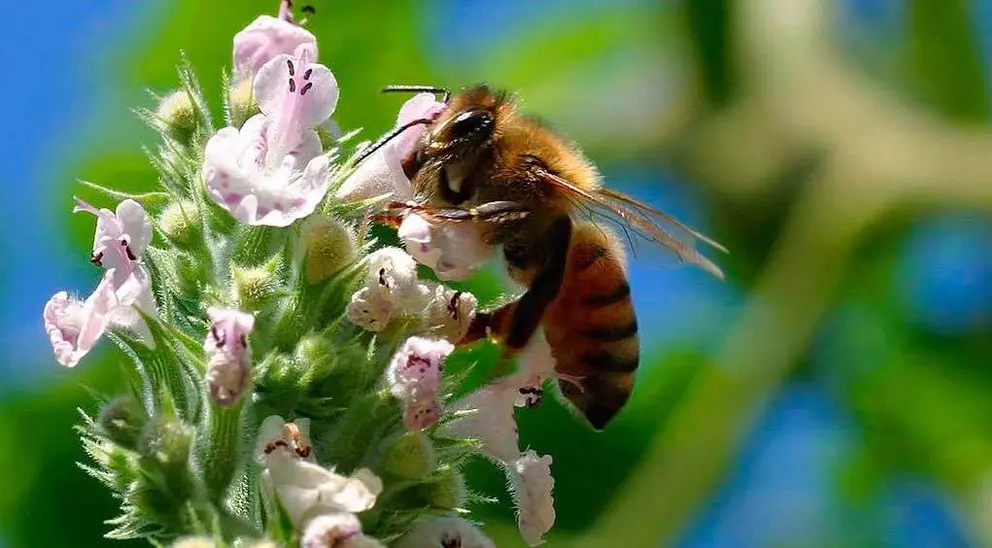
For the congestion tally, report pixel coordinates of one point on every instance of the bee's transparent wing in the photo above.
(643, 220)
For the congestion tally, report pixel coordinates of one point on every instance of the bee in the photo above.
(530, 191)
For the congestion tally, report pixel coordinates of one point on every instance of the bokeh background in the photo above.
(835, 391)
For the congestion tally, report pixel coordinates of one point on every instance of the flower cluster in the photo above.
(248, 288)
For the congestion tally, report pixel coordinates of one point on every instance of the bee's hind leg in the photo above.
(514, 323)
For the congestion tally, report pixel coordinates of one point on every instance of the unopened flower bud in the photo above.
(446, 489)
(181, 223)
(256, 287)
(122, 420)
(410, 456)
(179, 116)
(242, 103)
(166, 441)
(330, 246)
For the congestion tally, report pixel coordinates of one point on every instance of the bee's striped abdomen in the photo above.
(592, 328)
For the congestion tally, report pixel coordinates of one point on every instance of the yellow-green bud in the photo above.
(177, 113)
(181, 223)
(330, 246)
(241, 102)
(410, 456)
(256, 287)
(166, 441)
(122, 420)
(447, 489)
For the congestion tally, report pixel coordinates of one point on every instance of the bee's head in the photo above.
(467, 126)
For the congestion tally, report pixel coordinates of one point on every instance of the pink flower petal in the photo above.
(454, 250)
(420, 106)
(294, 94)
(73, 326)
(381, 174)
(421, 412)
(265, 38)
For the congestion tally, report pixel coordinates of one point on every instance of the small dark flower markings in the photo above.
(127, 250)
(532, 396)
(453, 305)
(421, 362)
(382, 278)
(451, 540)
(218, 335)
(292, 79)
(97, 259)
(300, 447)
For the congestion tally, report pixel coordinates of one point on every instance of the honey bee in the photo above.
(529, 189)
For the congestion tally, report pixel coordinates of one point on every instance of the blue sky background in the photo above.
(58, 55)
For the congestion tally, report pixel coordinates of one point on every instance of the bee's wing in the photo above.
(643, 219)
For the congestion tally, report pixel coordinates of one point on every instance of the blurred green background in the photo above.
(836, 390)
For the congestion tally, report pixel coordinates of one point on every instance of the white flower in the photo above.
(453, 250)
(414, 376)
(396, 271)
(494, 424)
(120, 238)
(330, 530)
(445, 533)
(304, 487)
(74, 326)
(226, 346)
(370, 308)
(271, 171)
(267, 37)
(451, 313)
(415, 369)
(536, 363)
(493, 421)
(390, 288)
(381, 174)
(532, 484)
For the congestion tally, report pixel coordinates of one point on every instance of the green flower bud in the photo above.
(166, 441)
(330, 245)
(121, 421)
(181, 222)
(256, 287)
(177, 113)
(446, 489)
(335, 368)
(241, 102)
(410, 456)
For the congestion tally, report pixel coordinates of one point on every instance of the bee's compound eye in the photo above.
(472, 123)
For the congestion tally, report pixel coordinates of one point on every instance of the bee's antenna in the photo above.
(420, 89)
(369, 150)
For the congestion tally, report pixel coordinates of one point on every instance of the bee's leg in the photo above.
(513, 324)
(497, 212)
